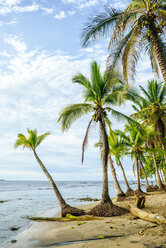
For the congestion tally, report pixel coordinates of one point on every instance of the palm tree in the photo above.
(117, 148)
(152, 106)
(150, 109)
(98, 94)
(141, 26)
(32, 142)
(135, 148)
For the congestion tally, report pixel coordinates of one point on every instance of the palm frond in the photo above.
(135, 125)
(98, 26)
(82, 80)
(85, 141)
(40, 138)
(130, 54)
(72, 112)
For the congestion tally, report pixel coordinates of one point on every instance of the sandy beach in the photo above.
(122, 231)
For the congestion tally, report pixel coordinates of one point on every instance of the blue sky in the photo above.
(40, 51)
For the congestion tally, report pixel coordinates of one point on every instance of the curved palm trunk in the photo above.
(148, 187)
(118, 189)
(60, 199)
(159, 52)
(105, 193)
(155, 178)
(124, 175)
(157, 173)
(65, 208)
(163, 175)
(138, 177)
(160, 127)
(146, 179)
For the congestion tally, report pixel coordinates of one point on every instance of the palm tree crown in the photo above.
(140, 26)
(32, 142)
(98, 92)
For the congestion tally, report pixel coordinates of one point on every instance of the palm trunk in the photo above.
(160, 127)
(105, 193)
(158, 49)
(118, 189)
(60, 199)
(146, 179)
(163, 175)
(138, 177)
(124, 175)
(155, 178)
(157, 172)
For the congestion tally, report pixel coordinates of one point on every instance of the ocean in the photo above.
(19, 199)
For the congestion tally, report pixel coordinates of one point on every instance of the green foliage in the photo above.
(32, 141)
(131, 32)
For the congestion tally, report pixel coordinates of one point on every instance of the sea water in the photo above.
(32, 198)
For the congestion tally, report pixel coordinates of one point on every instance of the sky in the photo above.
(40, 51)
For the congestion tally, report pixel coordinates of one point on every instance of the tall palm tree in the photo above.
(141, 26)
(32, 142)
(117, 148)
(98, 95)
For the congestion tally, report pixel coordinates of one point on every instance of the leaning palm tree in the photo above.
(32, 142)
(141, 26)
(98, 95)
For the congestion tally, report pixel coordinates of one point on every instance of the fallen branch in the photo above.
(155, 218)
(68, 218)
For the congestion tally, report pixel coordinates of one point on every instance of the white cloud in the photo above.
(71, 12)
(82, 3)
(9, 6)
(18, 44)
(30, 8)
(61, 15)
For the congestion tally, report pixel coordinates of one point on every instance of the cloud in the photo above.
(71, 12)
(17, 43)
(28, 8)
(9, 6)
(61, 15)
(82, 3)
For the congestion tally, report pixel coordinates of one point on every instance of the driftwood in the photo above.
(155, 218)
(68, 217)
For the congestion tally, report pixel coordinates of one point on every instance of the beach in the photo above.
(121, 231)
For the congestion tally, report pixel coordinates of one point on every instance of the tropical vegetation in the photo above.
(140, 27)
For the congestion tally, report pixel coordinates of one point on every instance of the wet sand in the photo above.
(122, 231)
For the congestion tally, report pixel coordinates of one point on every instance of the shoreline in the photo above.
(120, 231)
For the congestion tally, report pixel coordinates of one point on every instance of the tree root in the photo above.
(149, 189)
(130, 192)
(71, 210)
(107, 210)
